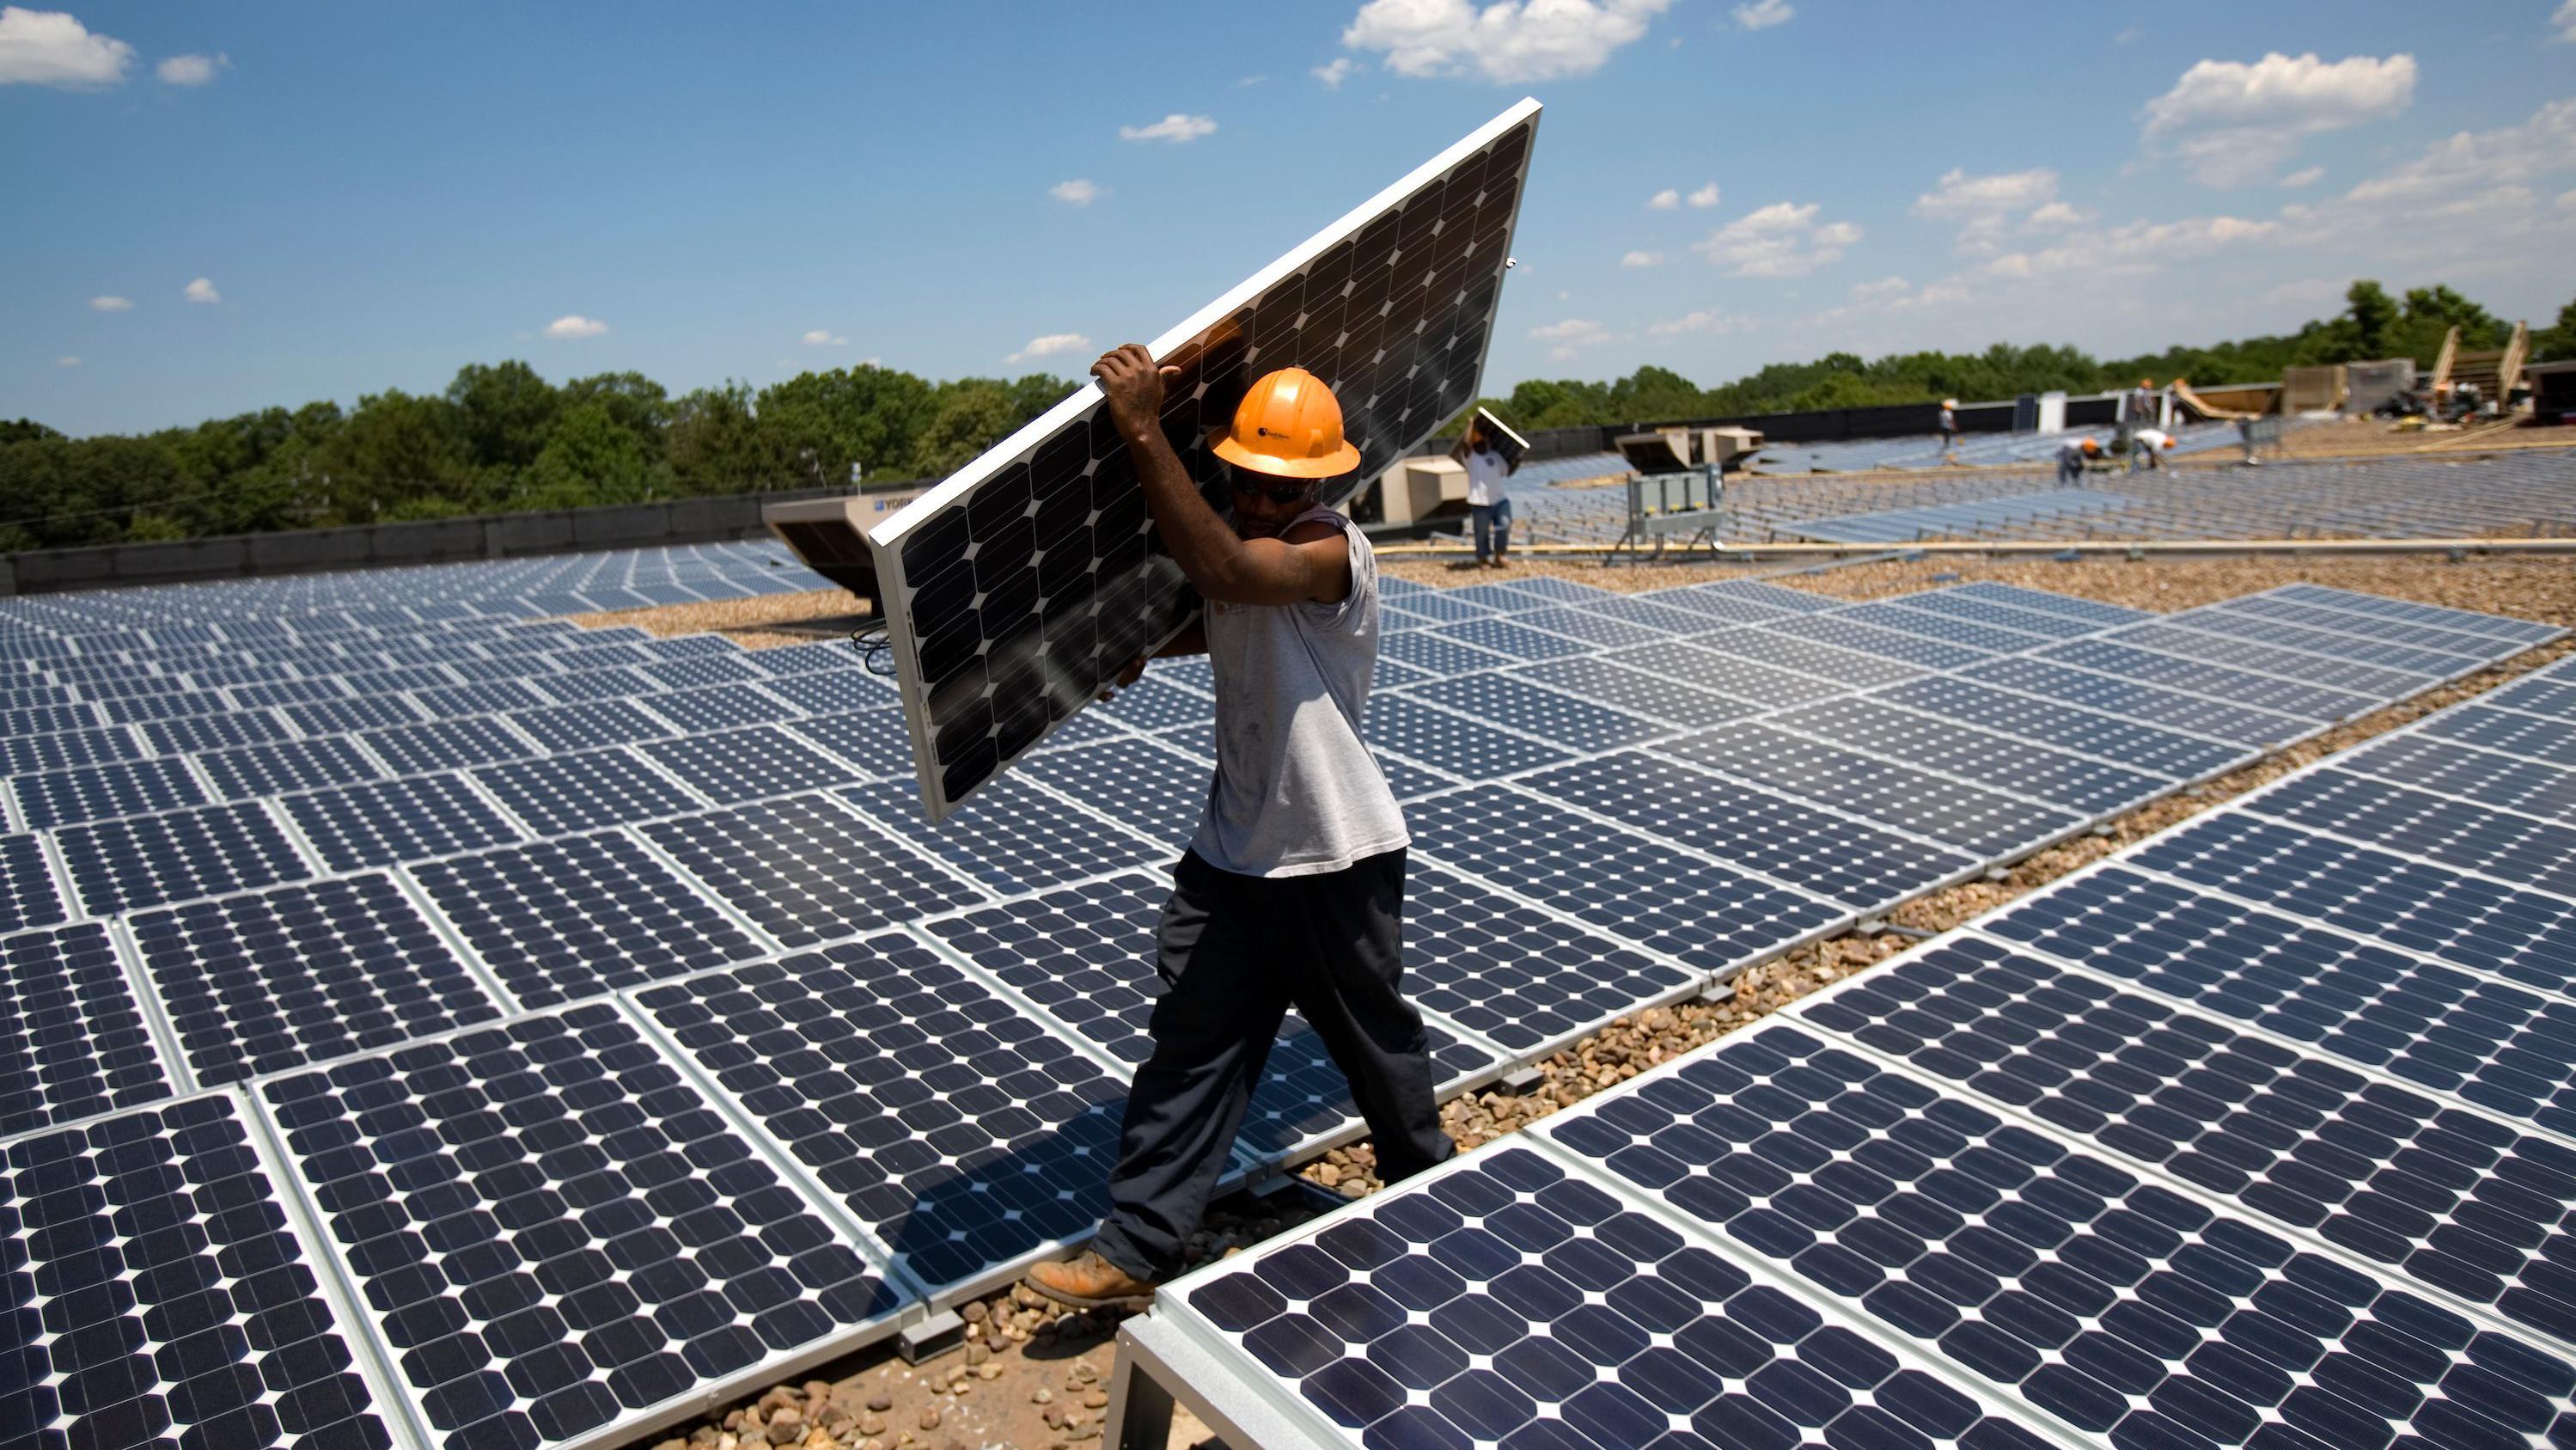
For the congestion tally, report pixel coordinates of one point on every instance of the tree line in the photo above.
(501, 438)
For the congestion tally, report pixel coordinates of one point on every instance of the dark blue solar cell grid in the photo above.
(1716, 608)
(1504, 597)
(72, 1038)
(340, 717)
(139, 861)
(1509, 637)
(158, 1295)
(1633, 887)
(381, 822)
(385, 682)
(1845, 669)
(1444, 740)
(807, 871)
(2243, 654)
(2090, 610)
(492, 697)
(139, 708)
(1085, 956)
(1864, 868)
(1142, 785)
(2528, 736)
(1521, 978)
(215, 732)
(1549, 587)
(2477, 923)
(2170, 709)
(711, 668)
(835, 690)
(2452, 1198)
(2082, 785)
(720, 707)
(2431, 762)
(1994, 639)
(2519, 631)
(566, 793)
(300, 974)
(591, 725)
(283, 765)
(2124, 1309)
(1770, 596)
(27, 893)
(797, 659)
(2222, 619)
(2542, 694)
(116, 788)
(1012, 836)
(2280, 606)
(1636, 692)
(560, 920)
(742, 765)
(1449, 606)
(960, 1131)
(1152, 704)
(555, 1231)
(1648, 611)
(2454, 832)
(1986, 822)
(1387, 674)
(1083, 729)
(446, 745)
(1590, 626)
(2141, 747)
(1503, 1302)
(1725, 674)
(1561, 719)
(2497, 1046)
(1958, 604)
(875, 742)
(1913, 649)
(2263, 692)
(504, 670)
(1437, 654)
(579, 686)
(23, 754)
(287, 692)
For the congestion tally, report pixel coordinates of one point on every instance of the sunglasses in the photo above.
(1278, 493)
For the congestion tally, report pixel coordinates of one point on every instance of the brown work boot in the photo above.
(1091, 1282)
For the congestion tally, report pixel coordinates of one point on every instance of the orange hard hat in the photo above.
(2092, 447)
(2146, 382)
(1289, 425)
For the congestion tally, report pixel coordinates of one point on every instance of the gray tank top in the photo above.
(1297, 792)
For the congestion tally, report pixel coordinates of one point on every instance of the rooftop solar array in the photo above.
(2258, 1132)
(633, 929)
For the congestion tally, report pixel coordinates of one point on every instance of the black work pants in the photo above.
(1234, 953)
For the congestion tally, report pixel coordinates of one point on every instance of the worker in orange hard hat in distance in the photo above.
(1292, 890)
(2072, 455)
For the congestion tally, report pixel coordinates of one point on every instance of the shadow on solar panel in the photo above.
(1023, 583)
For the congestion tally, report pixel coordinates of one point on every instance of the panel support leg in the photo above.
(1140, 1409)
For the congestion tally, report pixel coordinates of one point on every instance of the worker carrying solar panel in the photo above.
(1292, 890)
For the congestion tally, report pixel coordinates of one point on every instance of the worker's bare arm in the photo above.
(1223, 566)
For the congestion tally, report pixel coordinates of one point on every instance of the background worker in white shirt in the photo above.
(2147, 448)
(1487, 504)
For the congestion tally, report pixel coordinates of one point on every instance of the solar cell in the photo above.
(381, 822)
(1438, 654)
(2494, 626)
(2532, 738)
(562, 794)
(1026, 580)
(1900, 615)
(559, 1234)
(2457, 833)
(965, 1136)
(140, 861)
(257, 770)
(214, 732)
(590, 725)
(1636, 692)
(28, 895)
(2292, 664)
(2079, 784)
(2223, 619)
(1719, 608)
(447, 744)
(2455, 1199)
(711, 667)
(873, 741)
(2141, 747)
(2427, 761)
(1959, 604)
(113, 788)
(1847, 669)
(339, 717)
(73, 1040)
(833, 690)
(1145, 786)
(160, 1294)
(1520, 978)
(559, 920)
(2091, 611)
(1590, 626)
(1986, 822)
(24, 754)
(1649, 610)
(2125, 1310)
(2264, 692)
(293, 975)
(1509, 636)
(1021, 838)
(1451, 742)
(1561, 719)
(1726, 674)
(1157, 704)
(1452, 606)
(2170, 709)
(806, 870)
(1501, 1301)
(2540, 694)
(741, 765)
(1844, 632)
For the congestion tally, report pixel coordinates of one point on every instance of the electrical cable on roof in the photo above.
(876, 651)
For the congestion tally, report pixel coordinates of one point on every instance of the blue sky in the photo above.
(374, 195)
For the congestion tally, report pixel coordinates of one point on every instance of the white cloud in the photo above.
(824, 337)
(203, 291)
(575, 325)
(1779, 240)
(1763, 14)
(1962, 195)
(2130, 34)
(2133, 247)
(1934, 294)
(1706, 320)
(2473, 159)
(2310, 175)
(1571, 336)
(50, 48)
(2306, 292)
(1668, 199)
(1507, 41)
(2233, 122)
(2055, 214)
(1879, 290)
(1049, 345)
(1642, 259)
(2567, 199)
(67, 361)
(1077, 192)
(1249, 81)
(1704, 197)
(2563, 20)
(1174, 128)
(1338, 71)
(111, 304)
(192, 70)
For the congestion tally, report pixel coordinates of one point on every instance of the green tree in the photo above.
(974, 414)
(504, 412)
(715, 443)
(2373, 316)
(398, 456)
(815, 425)
(2556, 343)
(591, 458)
(636, 402)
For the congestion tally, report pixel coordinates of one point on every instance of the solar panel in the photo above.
(560, 1236)
(383, 822)
(1448, 741)
(1019, 838)
(1520, 978)
(1847, 633)
(258, 770)
(1146, 786)
(2139, 746)
(1636, 692)
(806, 870)
(112, 788)
(140, 861)
(28, 896)
(2223, 619)
(2454, 832)
(1713, 668)
(2118, 1306)
(1847, 669)
(2533, 738)
(2288, 663)
(293, 975)
(588, 726)
(73, 1038)
(161, 1294)
(741, 765)
(448, 744)
(1985, 821)
(1900, 615)
(2077, 783)
(2427, 761)
(1024, 582)
(2171, 709)
(1550, 715)
(1590, 626)
(2265, 692)
(965, 1136)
